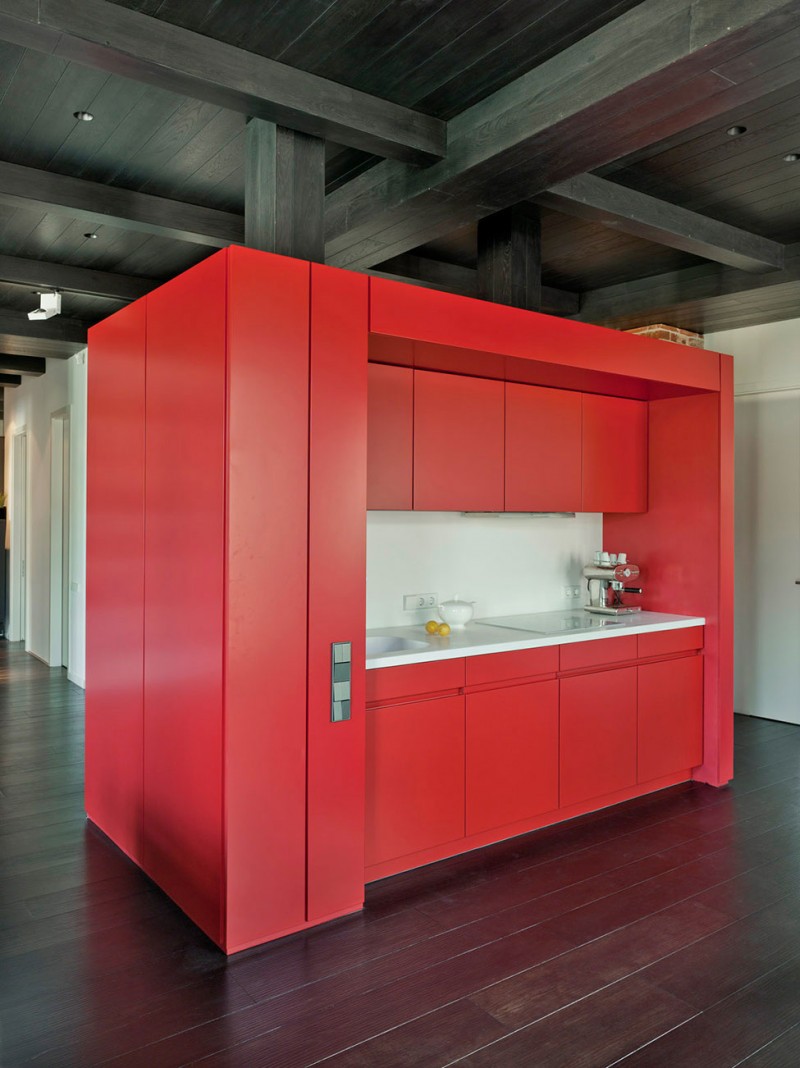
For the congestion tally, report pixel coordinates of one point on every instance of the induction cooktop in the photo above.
(553, 622)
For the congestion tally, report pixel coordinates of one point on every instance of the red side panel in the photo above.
(578, 655)
(458, 443)
(543, 449)
(670, 716)
(598, 734)
(498, 667)
(336, 591)
(385, 685)
(614, 454)
(684, 544)
(415, 791)
(405, 311)
(265, 640)
(512, 754)
(115, 577)
(390, 440)
(183, 634)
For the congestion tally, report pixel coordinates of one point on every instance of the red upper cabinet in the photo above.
(614, 454)
(543, 449)
(390, 437)
(458, 443)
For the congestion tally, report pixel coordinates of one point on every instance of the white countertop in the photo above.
(508, 633)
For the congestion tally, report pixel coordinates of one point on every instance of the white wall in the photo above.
(506, 564)
(29, 407)
(764, 357)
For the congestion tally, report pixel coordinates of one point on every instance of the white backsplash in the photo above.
(506, 564)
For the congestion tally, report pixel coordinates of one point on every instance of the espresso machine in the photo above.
(606, 581)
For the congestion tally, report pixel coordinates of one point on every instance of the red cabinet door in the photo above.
(415, 777)
(614, 454)
(670, 717)
(512, 754)
(390, 437)
(458, 443)
(543, 449)
(598, 734)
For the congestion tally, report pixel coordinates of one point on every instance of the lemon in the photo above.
(444, 630)
(432, 626)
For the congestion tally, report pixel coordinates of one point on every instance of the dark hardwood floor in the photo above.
(663, 932)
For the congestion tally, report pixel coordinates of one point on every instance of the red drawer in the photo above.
(578, 655)
(385, 685)
(520, 664)
(664, 642)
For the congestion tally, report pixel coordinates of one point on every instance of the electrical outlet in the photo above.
(571, 592)
(576, 591)
(414, 602)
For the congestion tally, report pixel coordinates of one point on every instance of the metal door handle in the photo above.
(341, 662)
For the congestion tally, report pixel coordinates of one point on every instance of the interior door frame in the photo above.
(18, 501)
(59, 537)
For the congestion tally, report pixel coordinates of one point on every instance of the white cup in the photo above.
(605, 558)
(612, 559)
(622, 558)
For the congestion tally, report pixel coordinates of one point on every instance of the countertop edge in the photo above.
(427, 656)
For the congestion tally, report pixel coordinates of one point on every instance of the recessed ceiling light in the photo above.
(736, 131)
(83, 116)
(791, 157)
(90, 237)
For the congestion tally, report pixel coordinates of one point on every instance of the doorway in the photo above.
(59, 538)
(768, 554)
(18, 501)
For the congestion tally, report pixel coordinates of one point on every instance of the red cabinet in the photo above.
(512, 754)
(614, 454)
(598, 734)
(670, 717)
(543, 449)
(415, 777)
(390, 437)
(458, 443)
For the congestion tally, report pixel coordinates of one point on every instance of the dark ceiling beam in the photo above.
(510, 257)
(284, 191)
(668, 297)
(10, 380)
(27, 187)
(659, 68)
(112, 38)
(39, 274)
(616, 206)
(454, 278)
(32, 366)
(58, 337)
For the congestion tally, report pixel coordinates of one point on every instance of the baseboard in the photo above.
(79, 680)
(43, 659)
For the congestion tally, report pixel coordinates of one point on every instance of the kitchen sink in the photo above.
(379, 643)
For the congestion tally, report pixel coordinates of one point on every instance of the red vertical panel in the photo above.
(458, 443)
(184, 537)
(390, 437)
(598, 734)
(512, 754)
(683, 544)
(415, 777)
(670, 717)
(614, 454)
(543, 449)
(336, 591)
(265, 641)
(115, 576)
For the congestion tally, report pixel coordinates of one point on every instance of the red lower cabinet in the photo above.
(415, 777)
(512, 754)
(670, 717)
(598, 734)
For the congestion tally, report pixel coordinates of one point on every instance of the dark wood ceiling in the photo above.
(440, 57)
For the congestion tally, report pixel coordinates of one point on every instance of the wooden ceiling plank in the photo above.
(106, 36)
(32, 366)
(97, 203)
(10, 381)
(510, 257)
(553, 122)
(38, 273)
(599, 200)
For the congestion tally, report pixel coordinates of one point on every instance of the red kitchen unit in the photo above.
(233, 740)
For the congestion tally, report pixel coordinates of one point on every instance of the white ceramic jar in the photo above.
(456, 613)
